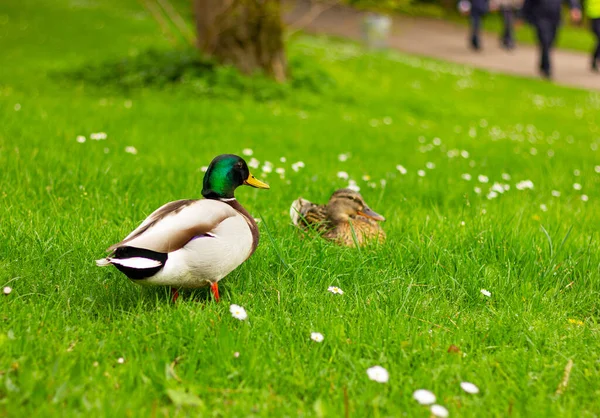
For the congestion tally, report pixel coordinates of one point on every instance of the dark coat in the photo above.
(480, 7)
(545, 9)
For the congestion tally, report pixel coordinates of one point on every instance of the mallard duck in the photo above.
(193, 243)
(345, 219)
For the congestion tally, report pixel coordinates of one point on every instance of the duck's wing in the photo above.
(173, 225)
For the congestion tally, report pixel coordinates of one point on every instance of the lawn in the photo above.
(76, 339)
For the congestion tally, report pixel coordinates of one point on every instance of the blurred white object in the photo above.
(376, 29)
(464, 6)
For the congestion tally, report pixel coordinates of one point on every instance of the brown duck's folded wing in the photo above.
(173, 225)
(316, 217)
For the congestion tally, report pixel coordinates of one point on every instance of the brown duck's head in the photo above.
(347, 204)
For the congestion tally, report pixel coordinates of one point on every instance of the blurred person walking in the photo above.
(545, 16)
(508, 9)
(592, 10)
(477, 9)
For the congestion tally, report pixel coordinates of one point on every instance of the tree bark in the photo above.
(245, 33)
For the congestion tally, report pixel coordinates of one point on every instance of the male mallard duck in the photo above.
(345, 219)
(193, 243)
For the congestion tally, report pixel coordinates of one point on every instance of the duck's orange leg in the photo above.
(174, 294)
(214, 287)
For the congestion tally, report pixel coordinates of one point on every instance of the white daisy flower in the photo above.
(584, 197)
(366, 177)
(453, 153)
(238, 312)
(577, 186)
(247, 152)
(482, 178)
(283, 159)
(98, 136)
(335, 290)
(17, 107)
(430, 165)
(555, 193)
(492, 195)
(466, 176)
(462, 223)
(297, 166)
(387, 120)
(597, 169)
(353, 186)
(543, 207)
(505, 176)
(576, 172)
(383, 182)
(204, 168)
(343, 157)
(80, 139)
(280, 171)
(236, 354)
(485, 293)
(121, 360)
(477, 190)
(7, 290)
(439, 411)
(342, 175)
(131, 150)
(378, 374)
(401, 169)
(421, 173)
(525, 184)
(464, 154)
(424, 396)
(253, 163)
(267, 168)
(317, 337)
(498, 188)
(469, 387)
(437, 142)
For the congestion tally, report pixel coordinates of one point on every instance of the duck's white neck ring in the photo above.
(227, 199)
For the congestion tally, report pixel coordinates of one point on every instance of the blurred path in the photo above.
(448, 41)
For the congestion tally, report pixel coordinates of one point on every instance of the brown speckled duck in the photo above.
(345, 219)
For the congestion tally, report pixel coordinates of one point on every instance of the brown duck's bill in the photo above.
(254, 182)
(369, 213)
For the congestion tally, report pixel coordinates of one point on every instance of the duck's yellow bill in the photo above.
(254, 182)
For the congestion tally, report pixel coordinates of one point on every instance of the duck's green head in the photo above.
(225, 174)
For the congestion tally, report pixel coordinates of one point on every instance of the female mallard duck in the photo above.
(346, 219)
(193, 243)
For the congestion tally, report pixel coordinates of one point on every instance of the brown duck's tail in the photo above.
(298, 210)
(307, 214)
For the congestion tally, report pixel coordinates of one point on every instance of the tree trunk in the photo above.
(245, 33)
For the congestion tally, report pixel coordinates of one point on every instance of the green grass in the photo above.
(66, 322)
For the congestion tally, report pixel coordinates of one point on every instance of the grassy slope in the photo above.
(67, 322)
